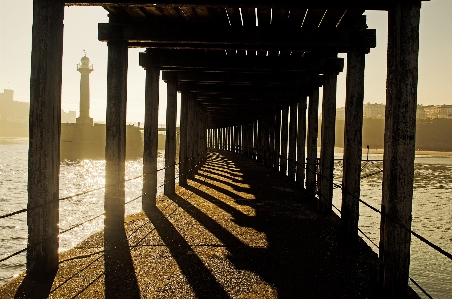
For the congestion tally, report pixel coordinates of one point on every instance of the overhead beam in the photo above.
(306, 4)
(212, 60)
(274, 78)
(240, 89)
(149, 35)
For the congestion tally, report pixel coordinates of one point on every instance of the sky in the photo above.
(80, 33)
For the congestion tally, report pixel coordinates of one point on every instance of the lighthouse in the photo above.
(85, 69)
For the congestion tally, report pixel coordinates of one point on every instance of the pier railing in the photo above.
(270, 158)
(197, 163)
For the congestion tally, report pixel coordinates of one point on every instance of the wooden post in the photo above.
(400, 130)
(255, 144)
(278, 140)
(301, 141)
(351, 178)
(327, 150)
(284, 140)
(292, 141)
(271, 128)
(183, 157)
(115, 143)
(44, 141)
(311, 148)
(191, 136)
(170, 145)
(151, 111)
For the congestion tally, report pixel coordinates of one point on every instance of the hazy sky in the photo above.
(80, 32)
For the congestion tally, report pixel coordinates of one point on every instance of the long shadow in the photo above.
(198, 275)
(219, 188)
(226, 181)
(120, 277)
(33, 286)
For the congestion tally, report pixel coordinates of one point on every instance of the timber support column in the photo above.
(328, 139)
(183, 146)
(400, 130)
(150, 137)
(292, 141)
(170, 145)
(44, 141)
(115, 143)
(191, 136)
(311, 147)
(284, 140)
(277, 140)
(351, 178)
(301, 141)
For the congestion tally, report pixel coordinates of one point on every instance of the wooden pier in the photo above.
(236, 230)
(245, 71)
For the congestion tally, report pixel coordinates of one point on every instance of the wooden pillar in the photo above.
(255, 144)
(183, 156)
(191, 136)
(170, 145)
(278, 140)
(351, 178)
(327, 149)
(301, 141)
(400, 130)
(284, 140)
(292, 141)
(44, 141)
(271, 144)
(311, 146)
(115, 143)
(151, 111)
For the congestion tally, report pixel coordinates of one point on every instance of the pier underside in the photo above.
(238, 230)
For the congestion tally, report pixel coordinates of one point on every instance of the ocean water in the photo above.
(432, 208)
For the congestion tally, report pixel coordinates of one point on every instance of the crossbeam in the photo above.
(148, 35)
(306, 4)
(212, 60)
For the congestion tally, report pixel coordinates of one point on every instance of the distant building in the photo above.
(374, 110)
(445, 111)
(68, 117)
(420, 112)
(340, 113)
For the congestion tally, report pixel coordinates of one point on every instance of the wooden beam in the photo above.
(307, 4)
(150, 139)
(149, 35)
(44, 141)
(240, 89)
(213, 60)
(250, 78)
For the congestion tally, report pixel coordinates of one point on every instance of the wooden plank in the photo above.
(150, 139)
(198, 36)
(400, 131)
(170, 146)
(328, 138)
(311, 143)
(44, 141)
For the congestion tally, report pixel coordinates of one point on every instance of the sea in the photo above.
(432, 208)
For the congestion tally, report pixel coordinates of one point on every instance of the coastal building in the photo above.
(374, 110)
(85, 68)
(445, 111)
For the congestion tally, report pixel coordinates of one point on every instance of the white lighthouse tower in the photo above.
(85, 69)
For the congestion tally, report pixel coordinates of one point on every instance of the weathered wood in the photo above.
(400, 129)
(183, 157)
(170, 145)
(199, 36)
(44, 141)
(292, 141)
(271, 128)
(306, 4)
(201, 60)
(224, 88)
(191, 136)
(327, 150)
(351, 178)
(115, 143)
(301, 142)
(278, 140)
(311, 147)
(284, 140)
(151, 110)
